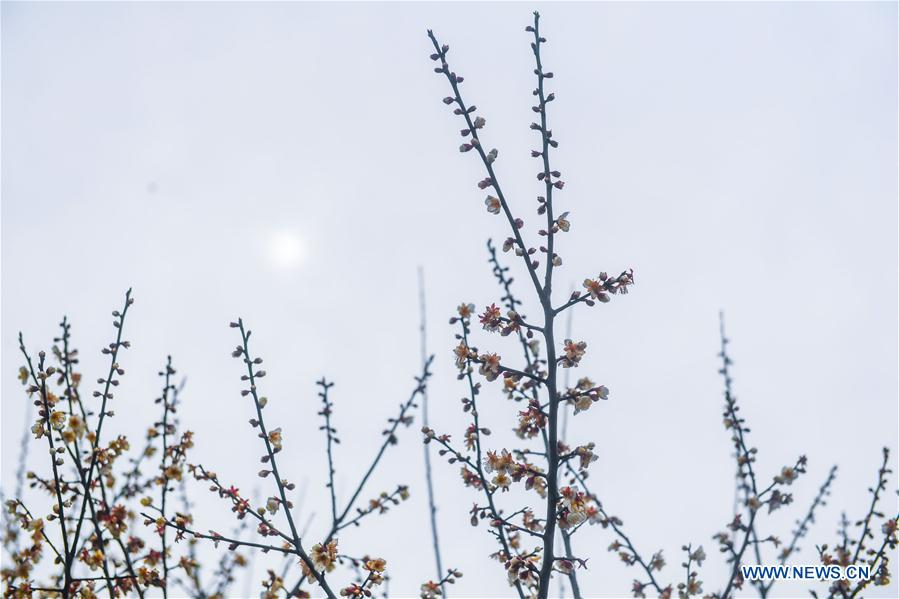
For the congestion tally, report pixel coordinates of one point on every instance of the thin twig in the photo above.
(429, 479)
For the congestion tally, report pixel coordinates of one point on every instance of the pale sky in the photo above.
(293, 164)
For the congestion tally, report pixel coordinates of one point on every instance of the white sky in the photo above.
(293, 164)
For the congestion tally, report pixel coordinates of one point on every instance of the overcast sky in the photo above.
(293, 164)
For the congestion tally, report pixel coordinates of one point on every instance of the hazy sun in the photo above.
(286, 250)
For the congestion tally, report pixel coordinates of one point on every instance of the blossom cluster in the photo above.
(113, 523)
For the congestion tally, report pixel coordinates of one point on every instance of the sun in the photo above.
(286, 250)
